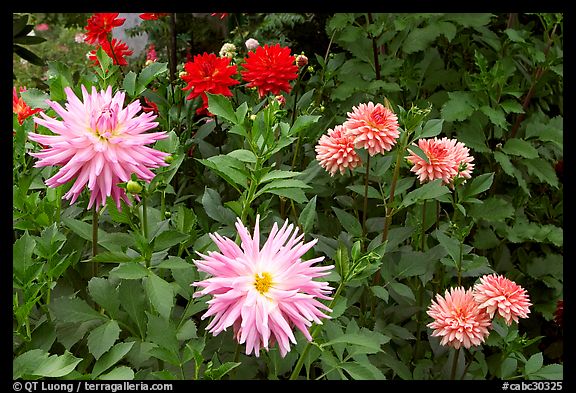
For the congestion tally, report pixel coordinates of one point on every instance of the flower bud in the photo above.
(280, 99)
(228, 50)
(251, 44)
(133, 187)
(301, 61)
(310, 69)
(168, 159)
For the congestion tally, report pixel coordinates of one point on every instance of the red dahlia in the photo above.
(99, 25)
(120, 49)
(152, 16)
(208, 73)
(20, 107)
(270, 69)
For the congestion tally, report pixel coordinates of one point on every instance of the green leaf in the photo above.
(74, 310)
(101, 339)
(121, 373)
(542, 169)
(357, 371)
(169, 238)
(223, 369)
(110, 358)
(551, 372)
(38, 363)
(160, 293)
(371, 343)
(496, 116)
(229, 168)
(148, 74)
(129, 83)
(512, 106)
(105, 294)
(28, 55)
(222, 107)
(479, 184)
(349, 222)
(534, 363)
(508, 368)
(282, 183)
(187, 331)
(403, 290)
(296, 194)
(243, 155)
(431, 129)
(35, 98)
(380, 292)
(81, 228)
(113, 257)
(276, 175)
(213, 207)
(129, 271)
(493, 209)
(22, 251)
(359, 189)
(430, 190)
(308, 216)
(520, 147)
(302, 122)
(134, 302)
(161, 332)
(459, 106)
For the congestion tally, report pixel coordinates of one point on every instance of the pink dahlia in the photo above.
(447, 159)
(374, 127)
(335, 151)
(458, 319)
(99, 143)
(497, 294)
(263, 292)
(270, 69)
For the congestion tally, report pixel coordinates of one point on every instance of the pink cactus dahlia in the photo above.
(335, 151)
(263, 292)
(499, 295)
(458, 319)
(374, 127)
(447, 159)
(99, 143)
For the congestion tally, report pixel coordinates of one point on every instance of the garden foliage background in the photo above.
(124, 308)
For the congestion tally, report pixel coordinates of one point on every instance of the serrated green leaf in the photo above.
(213, 207)
(35, 98)
(477, 185)
(222, 107)
(129, 271)
(39, 363)
(103, 292)
(520, 147)
(542, 169)
(493, 209)
(459, 106)
(432, 128)
(101, 339)
(110, 358)
(402, 290)
(277, 174)
(430, 190)
(73, 310)
(160, 293)
(243, 155)
(169, 238)
(148, 74)
(134, 302)
(534, 363)
(301, 123)
(129, 83)
(121, 373)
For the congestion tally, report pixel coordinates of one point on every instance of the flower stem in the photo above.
(94, 239)
(454, 364)
(366, 178)
(317, 328)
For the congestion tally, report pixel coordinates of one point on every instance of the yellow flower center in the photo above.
(262, 282)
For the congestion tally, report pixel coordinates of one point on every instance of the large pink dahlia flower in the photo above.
(374, 127)
(335, 151)
(447, 159)
(499, 295)
(99, 143)
(458, 319)
(263, 292)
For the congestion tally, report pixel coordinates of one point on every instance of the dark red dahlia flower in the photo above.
(208, 73)
(559, 313)
(100, 25)
(270, 69)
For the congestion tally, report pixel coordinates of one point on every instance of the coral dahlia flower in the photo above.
(270, 69)
(99, 143)
(499, 295)
(374, 127)
(458, 319)
(100, 25)
(335, 151)
(20, 107)
(447, 159)
(263, 292)
(208, 73)
(117, 52)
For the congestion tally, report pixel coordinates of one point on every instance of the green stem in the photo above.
(317, 328)
(365, 215)
(454, 365)
(392, 191)
(94, 239)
